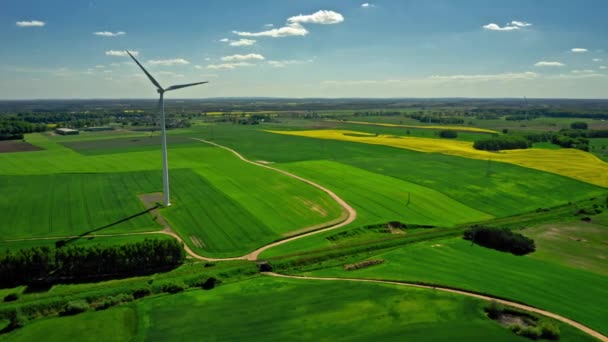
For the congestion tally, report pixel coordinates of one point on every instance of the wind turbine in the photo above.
(161, 104)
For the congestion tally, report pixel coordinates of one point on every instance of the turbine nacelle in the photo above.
(161, 91)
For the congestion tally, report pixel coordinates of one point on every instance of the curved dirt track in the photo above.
(351, 213)
(562, 319)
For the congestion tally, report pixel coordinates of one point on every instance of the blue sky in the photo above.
(305, 48)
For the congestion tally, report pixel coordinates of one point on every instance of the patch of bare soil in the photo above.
(362, 264)
(314, 207)
(151, 200)
(8, 146)
(508, 319)
(196, 241)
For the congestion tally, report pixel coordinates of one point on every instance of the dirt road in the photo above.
(562, 319)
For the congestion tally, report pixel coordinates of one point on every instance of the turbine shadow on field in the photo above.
(62, 243)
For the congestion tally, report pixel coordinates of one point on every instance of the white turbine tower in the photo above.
(161, 104)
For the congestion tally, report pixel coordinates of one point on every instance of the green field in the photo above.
(270, 309)
(378, 198)
(117, 324)
(498, 189)
(128, 144)
(228, 206)
(573, 293)
(579, 245)
(72, 204)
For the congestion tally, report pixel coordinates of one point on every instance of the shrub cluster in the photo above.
(532, 327)
(448, 134)
(44, 264)
(504, 142)
(502, 240)
(362, 264)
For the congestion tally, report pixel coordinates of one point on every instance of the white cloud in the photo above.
(109, 34)
(31, 23)
(320, 17)
(496, 27)
(579, 50)
(169, 62)
(597, 60)
(286, 31)
(198, 67)
(549, 64)
(228, 65)
(224, 40)
(491, 77)
(586, 71)
(284, 63)
(439, 79)
(367, 5)
(115, 64)
(100, 66)
(604, 67)
(519, 23)
(583, 75)
(268, 25)
(169, 74)
(251, 56)
(208, 75)
(207, 59)
(242, 42)
(118, 53)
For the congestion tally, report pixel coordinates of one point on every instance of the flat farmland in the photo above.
(11, 146)
(570, 162)
(260, 205)
(270, 309)
(574, 293)
(379, 199)
(127, 144)
(72, 204)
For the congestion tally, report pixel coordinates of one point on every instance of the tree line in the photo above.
(79, 263)
(503, 142)
(13, 129)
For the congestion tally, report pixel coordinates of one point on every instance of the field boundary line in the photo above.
(350, 211)
(525, 307)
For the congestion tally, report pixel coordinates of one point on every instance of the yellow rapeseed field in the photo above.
(452, 128)
(572, 163)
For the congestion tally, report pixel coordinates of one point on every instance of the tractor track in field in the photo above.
(528, 308)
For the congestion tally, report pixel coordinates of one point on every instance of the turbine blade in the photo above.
(179, 86)
(146, 72)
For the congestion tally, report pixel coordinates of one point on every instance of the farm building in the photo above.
(98, 129)
(66, 131)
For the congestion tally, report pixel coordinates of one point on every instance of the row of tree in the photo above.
(503, 142)
(13, 129)
(78, 263)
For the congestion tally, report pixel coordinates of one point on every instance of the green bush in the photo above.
(497, 143)
(579, 125)
(494, 309)
(173, 287)
(113, 300)
(529, 332)
(502, 240)
(142, 292)
(549, 330)
(448, 134)
(16, 319)
(11, 297)
(74, 307)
